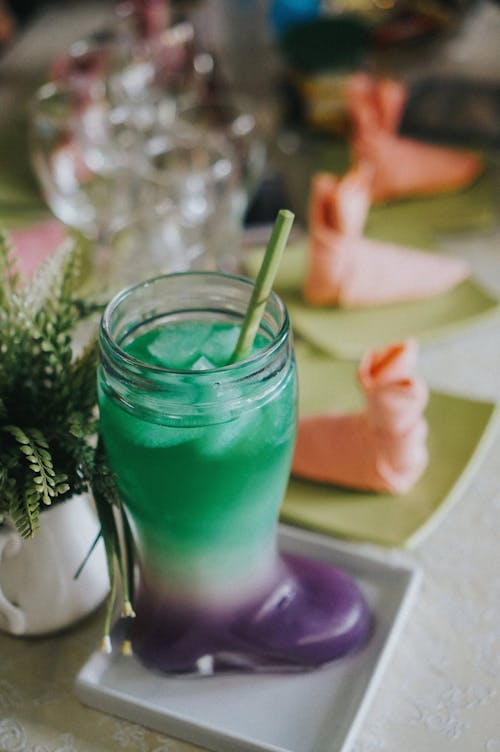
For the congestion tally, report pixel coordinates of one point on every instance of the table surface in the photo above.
(441, 690)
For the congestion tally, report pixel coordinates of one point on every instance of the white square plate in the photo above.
(313, 711)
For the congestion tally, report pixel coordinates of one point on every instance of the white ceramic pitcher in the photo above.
(38, 592)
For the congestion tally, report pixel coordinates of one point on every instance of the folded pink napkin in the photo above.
(33, 244)
(348, 270)
(382, 448)
(402, 166)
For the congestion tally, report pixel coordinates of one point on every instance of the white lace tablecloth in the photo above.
(441, 689)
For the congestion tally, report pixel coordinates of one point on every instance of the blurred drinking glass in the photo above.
(132, 82)
(183, 219)
(235, 123)
(83, 189)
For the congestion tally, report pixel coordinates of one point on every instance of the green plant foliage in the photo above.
(47, 394)
(49, 447)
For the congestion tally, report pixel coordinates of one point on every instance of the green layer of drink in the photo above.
(203, 498)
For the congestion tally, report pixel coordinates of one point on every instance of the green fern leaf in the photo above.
(8, 273)
(31, 444)
(24, 510)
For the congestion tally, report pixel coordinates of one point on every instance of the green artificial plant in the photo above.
(49, 448)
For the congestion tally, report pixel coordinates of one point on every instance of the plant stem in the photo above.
(263, 284)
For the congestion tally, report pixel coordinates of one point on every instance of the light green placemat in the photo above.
(11, 218)
(459, 433)
(348, 333)
(419, 222)
(21, 203)
(18, 185)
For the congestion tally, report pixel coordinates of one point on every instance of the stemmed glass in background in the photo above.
(92, 195)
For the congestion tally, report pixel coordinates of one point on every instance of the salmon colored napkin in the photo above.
(345, 269)
(33, 244)
(403, 167)
(348, 332)
(460, 432)
(380, 448)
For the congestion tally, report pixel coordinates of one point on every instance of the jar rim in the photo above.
(128, 360)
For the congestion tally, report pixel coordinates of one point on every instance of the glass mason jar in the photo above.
(202, 458)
